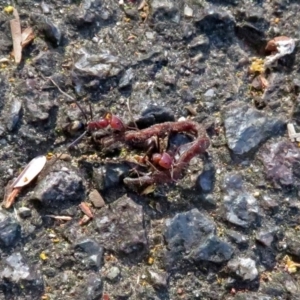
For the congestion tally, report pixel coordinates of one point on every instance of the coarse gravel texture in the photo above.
(228, 229)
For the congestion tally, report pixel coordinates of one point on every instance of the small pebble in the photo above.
(96, 199)
(113, 273)
(158, 279)
(65, 157)
(95, 39)
(24, 212)
(188, 12)
(45, 8)
(209, 93)
(149, 35)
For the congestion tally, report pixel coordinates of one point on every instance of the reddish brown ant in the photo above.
(163, 160)
(199, 146)
(169, 169)
(115, 123)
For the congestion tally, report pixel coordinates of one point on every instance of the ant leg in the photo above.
(134, 170)
(152, 166)
(153, 144)
(77, 140)
(70, 146)
(91, 111)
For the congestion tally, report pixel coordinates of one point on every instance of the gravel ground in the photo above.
(228, 228)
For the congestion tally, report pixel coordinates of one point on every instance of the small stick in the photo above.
(62, 218)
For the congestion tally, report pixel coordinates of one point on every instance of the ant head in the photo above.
(115, 122)
(164, 160)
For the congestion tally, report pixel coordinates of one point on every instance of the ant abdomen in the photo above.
(73, 127)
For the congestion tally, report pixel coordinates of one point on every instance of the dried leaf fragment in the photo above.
(84, 220)
(260, 83)
(35, 166)
(27, 36)
(88, 213)
(61, 218)
(27, 175)
(272, 45)
(86, 210)
(279, 46)
(293, 135)
(149, 189)
(15, 27)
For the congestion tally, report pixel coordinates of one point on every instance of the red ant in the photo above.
(163, 160)
(199, 146)
(143, 137)
(115, 123)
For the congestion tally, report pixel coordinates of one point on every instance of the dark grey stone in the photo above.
(14, 114)
(191, 235)
(61, 184)
(205, 181)
(16, 270)
(10, 230)
(121, 228)
(281, 161)
(247, 127)
(241, 208)
(126, 79)
(93, 251)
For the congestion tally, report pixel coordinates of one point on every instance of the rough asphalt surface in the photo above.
(228, 229)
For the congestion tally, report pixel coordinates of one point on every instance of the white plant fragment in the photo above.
(35, 166)
(281, 46)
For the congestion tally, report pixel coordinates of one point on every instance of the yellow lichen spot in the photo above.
(220, 231)
(150, 260)
(148, 190)
(8, 9)
(220, 280)
(257, 65)
(43, 256)
(144, 283)
(290, 265)
(123, 152)
(56, 240)
(49, 155)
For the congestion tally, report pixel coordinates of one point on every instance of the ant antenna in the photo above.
(81, 109)
(70, 97)
(131, 115)
(91, 111)
(77, 140)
